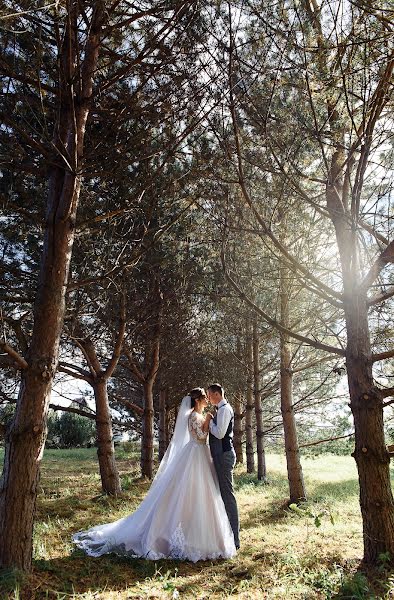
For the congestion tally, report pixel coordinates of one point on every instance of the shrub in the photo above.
(70, 430)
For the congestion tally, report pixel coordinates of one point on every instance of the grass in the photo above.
(283, 555)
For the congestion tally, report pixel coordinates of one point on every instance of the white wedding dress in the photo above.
(182, 516)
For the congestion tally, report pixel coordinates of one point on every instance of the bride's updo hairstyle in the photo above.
(196, 394)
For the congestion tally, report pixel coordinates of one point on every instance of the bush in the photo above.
(70, 430)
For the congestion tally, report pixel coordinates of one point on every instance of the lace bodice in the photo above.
(195, 427)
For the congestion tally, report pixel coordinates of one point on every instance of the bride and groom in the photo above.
(190, 511)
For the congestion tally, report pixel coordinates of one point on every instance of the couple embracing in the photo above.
(190, 511)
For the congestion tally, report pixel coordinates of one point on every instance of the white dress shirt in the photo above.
(223, 418)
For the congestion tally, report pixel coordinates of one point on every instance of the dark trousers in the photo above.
(224, 464)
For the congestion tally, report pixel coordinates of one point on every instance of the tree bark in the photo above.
(250, 466)
(105, 446)
(26, 437)
(371, 454)
(163, 427)
(238, 433)
(147, 431)
(261, 464)
(98, 379)
(294, 470)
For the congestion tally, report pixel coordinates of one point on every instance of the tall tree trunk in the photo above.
(371, 455)
(163, 436)
(294, 470)
(250, 467)
(261, 465)
(105, 446)
(25, 439)
(366, 402)
(98, 379)
(147, 431)
(146, 375)
(26, 436)
(238, 410)
(238, 416)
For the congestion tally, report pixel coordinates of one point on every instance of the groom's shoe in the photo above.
(237, 546)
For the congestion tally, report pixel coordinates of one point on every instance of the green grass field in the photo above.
(283, 555)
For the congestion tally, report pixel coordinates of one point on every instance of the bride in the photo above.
(182, 515)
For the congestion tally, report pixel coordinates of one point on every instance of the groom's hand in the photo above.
(208, 419)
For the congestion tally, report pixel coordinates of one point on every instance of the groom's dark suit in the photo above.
(223, 455)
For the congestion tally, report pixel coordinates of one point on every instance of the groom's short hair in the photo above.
(216, 387)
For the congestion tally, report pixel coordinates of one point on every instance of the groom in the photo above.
(223, 454)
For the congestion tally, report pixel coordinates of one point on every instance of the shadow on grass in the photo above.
(367, 583)
(338, 490)
(11, 580)
(81, 574)
(274, 513)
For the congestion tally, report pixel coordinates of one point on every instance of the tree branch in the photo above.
(20, 361)
(133, 260)
(330, 295)
(385, 257)
(77, 411)
(386, 392)
(380, 298)
(78, 373)
(133, 365)
(332, 439)
(311, 364)
(91, 415)
(275, 323)
(119, 342)
(130, 405)
(378, 236)
(16, 325)
(382, 355)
